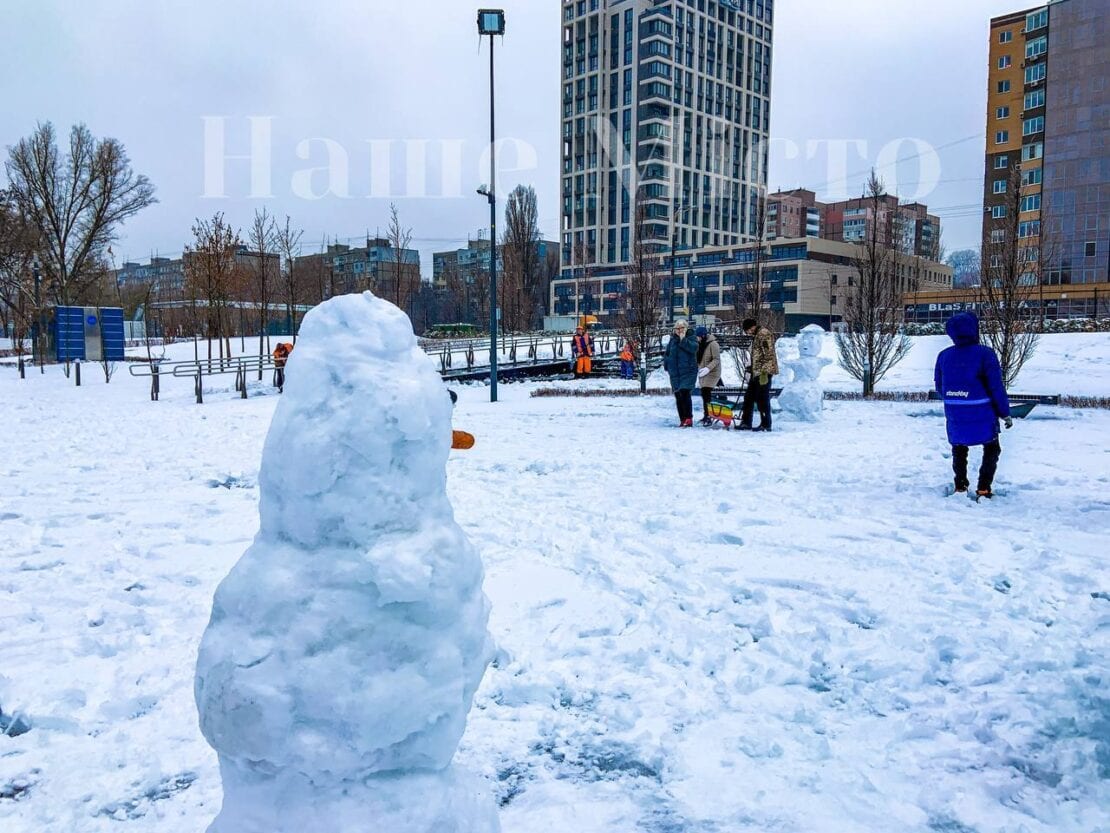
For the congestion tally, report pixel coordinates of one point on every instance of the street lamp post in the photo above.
(492, 22)
(36, 272)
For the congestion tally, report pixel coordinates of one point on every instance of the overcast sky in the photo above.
(882, 76)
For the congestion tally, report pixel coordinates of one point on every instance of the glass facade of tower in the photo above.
(1076, 202)
(1048, 130)
(665, 106)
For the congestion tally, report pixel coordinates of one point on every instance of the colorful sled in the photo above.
(723, 412)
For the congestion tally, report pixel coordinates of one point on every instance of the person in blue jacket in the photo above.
(681, 363)
(969, 380)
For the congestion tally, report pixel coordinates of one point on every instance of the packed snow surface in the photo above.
(347, 643)
(697, 631)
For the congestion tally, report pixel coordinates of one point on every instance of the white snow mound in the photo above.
(346, 645)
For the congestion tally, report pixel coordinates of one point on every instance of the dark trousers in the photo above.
(706, 396)
(685, 402)
(757, 396)
(991, 452)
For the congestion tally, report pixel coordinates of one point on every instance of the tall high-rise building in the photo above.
(1048, 116)
(666, 106)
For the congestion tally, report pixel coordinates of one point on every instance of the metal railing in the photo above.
(197, 369)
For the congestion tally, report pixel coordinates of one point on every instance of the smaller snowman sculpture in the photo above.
(804, 397)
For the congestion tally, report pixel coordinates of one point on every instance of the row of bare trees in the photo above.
(1014, 252)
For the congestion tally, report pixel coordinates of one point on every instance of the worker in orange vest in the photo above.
(628, 361)
(281, 353)
(281, 356)
(582, 348)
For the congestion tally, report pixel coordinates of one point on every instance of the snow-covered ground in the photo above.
(698, 631)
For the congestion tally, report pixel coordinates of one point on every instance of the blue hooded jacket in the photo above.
(681, 361)
(969, 380)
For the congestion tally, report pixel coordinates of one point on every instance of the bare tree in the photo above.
(966, 267)
(521, 254)
(872, 340)
(76, 203)
(211, 275)
(292, 279)
(402, 285)
(750, 299)
(642, 307)
(18, 243)
(455, 307)
(1011, 277)
(260, 239)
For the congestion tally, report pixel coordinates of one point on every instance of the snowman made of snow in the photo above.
(803, 397)
(346, 645)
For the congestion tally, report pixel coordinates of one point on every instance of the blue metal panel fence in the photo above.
(111, 333)
(69, 333)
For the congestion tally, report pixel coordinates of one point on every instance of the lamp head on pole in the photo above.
(491, 21)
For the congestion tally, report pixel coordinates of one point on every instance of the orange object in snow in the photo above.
(461, 440)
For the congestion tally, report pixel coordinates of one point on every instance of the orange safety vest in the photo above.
(582, 347)
(626, 355)
(281, 353)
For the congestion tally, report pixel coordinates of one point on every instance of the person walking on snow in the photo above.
(681, 363)
(709, 370)
(764, 367)
(969, 380)
(582, 348)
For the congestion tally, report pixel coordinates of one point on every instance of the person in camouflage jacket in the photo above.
(764, 367)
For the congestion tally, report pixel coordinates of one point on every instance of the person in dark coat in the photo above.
(764, 368)
(969, 380)
(681, 363)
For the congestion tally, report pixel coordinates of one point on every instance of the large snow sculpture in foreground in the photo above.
(804, 397)
(346, 644)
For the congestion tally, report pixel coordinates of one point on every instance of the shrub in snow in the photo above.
(346, 645)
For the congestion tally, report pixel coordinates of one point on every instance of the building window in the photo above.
(1089, 248)
(1031, 177)
(1003, 86)
(1034, 99)
(1032, 126)
(1002, 137)
(1000, 186)
(1006, 37)
(1031, 228)
(1004, 62)
(998, 212)
(1036, 73)
(998, 235)
(1033, 151)
(1036, 48)
(1036, 20)
(1001, 162)
(1002, 113)
(1031, 203)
